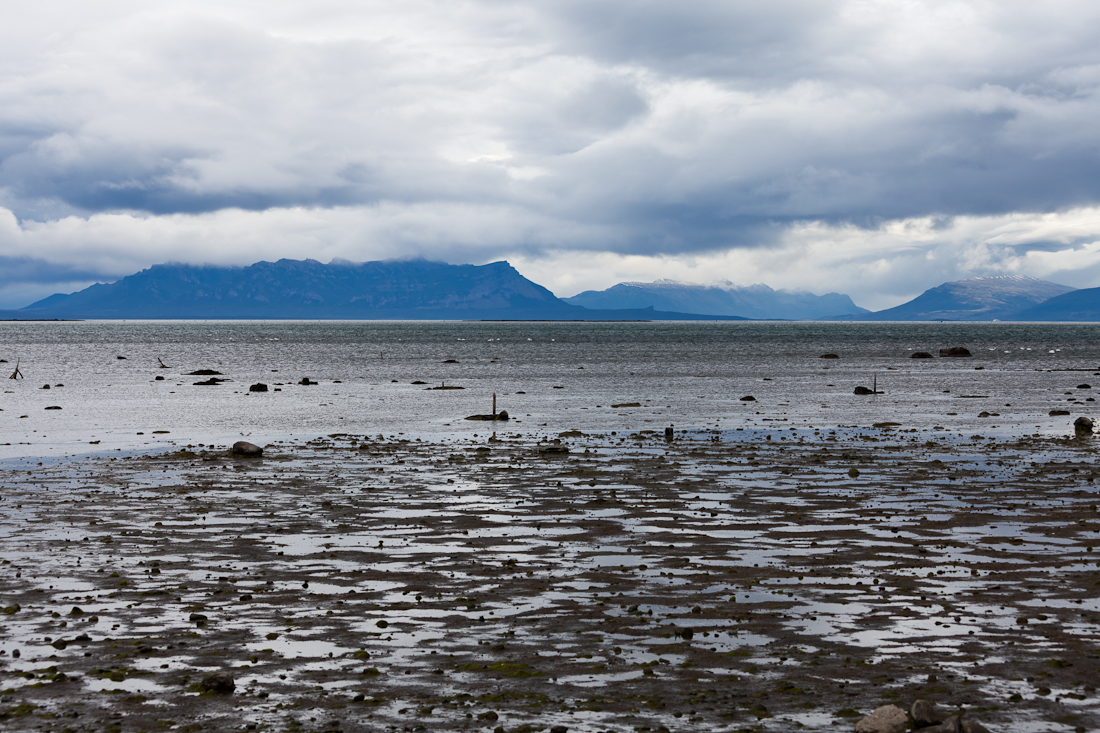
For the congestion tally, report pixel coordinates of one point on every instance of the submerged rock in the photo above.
(955, 351)
(886, 719)
(921, 355)
(245, 449)
(502, 415)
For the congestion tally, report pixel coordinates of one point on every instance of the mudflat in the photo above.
(720, 580)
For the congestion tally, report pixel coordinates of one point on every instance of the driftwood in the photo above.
(16, 374)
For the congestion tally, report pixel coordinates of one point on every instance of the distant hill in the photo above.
(976, 299)
(308, 289)
(753, 301)
(1077, 305)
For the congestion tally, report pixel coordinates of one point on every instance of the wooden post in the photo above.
(16, 374)
(494, 404)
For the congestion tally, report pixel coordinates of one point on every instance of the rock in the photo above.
(668, 433)
(218, 682)
(418, 382)
(305, 381)
(955, 724)
(1058, 413)
(204, 373)
(1081, 426)
(748, 398)
(559, 729)
(44, 386)
(553, 449)
(853, 472)
(955, 351)
(829, 356)
(257, 387)
(158, 378)
(488, 715)
(886, 719)
(920, 355)
(1084, 386)
(212, 382)
(502, 415)
(59, 644)
(863, 390)
(53, 407)
(247, 450)
(924, 714)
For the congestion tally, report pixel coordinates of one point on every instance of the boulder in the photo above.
(920, 355)
(246, 450)
(955, 351)
(886, 719)
(218, 682)
(1082, 426)
(257, 387)
(924, 714)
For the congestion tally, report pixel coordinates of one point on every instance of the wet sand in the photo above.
(732, 580)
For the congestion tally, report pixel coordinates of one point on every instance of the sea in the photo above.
(93, 387)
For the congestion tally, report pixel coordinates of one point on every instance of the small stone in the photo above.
(246, 450)
(218, 682)
(257, 387)
(886, 719)
(924, 714)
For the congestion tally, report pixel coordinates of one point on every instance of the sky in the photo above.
(871, 148)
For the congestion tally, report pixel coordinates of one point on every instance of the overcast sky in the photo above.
(876, 148)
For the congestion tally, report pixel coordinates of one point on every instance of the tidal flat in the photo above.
(721, 580)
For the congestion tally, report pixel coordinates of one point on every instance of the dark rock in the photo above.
(748, 398)
(1082, 426)
(212, 382)
(921, 355)
(218, 682)
(1084, 386)
(488, 715)
(983, 413)
(829, 356)
(863, 390)
(502, 415)
(886, 719)
(956, 724)
(53, 407)
(204, 373)
(305, 381)
(1058, 413)
(955, 351)
(668, 433)
(626, 404)
(246, 450)
(158, 378)
(59, 644)
(44, 386)
(120, 357)
(257, 387)
(924, 714)
(418, 382)
(558, 729)
(198, 619)
(449, 361)
(553, 449)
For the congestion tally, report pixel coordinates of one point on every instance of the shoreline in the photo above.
(706, 582)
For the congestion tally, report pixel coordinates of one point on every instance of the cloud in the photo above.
(655, 129)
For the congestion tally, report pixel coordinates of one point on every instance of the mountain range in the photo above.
(307, 289)
(727, 299)
(418, 289)
(1005, 298)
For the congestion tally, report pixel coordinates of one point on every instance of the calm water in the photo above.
(691, 375)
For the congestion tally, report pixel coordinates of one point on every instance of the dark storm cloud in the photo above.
(655, 127)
